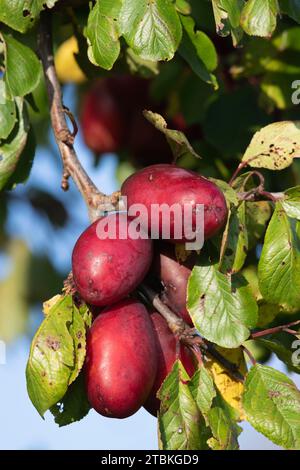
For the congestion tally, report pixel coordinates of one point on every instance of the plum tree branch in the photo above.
(95, 199)
(188, 335)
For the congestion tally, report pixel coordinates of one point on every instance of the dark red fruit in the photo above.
(107, 270)
(174, 276)
(166, 350)
(169, 184)
(107, 111)
(121, 359)
(101, 119)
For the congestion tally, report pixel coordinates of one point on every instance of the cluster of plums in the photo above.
(130, 349)
(112, 120)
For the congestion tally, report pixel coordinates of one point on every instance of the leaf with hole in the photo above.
(21, 15)
(180, 422)
(54, 361)
(73, 406)
(275, 146)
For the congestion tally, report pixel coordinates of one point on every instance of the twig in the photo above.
(188, 335)
(243, 165)
(176, 324)
(274, 330)
(256, 194)
(250, 355)
(95, 199)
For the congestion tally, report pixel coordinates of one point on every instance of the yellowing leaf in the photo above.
(230, 388)
(48, 304)
(68, 71)
(275, 146)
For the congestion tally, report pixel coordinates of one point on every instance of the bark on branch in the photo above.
(95, 199)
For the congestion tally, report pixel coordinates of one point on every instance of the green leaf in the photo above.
(180, 422)
(199, 51)
(22, 67)
(272, 405)
(234, 244)
(222, 306)
(144, 68)
(103, 33)
(77, 331)
(275, 146)
(225, 431)
(24, 164)
(22, 14)
(221, 19)
(283, 352)
(218, 414)
(12, 148)
(73, 406)
(228, 191)
(152, 29)
(267, 312)
(178, 142)
(227, 15)
(259, 17)
(291, 8)
(52, 362)
(291, 202)
(203, 390)
(279, 264)
(233, 8)
(183, 7)
(7, 112)
(226, 128)
(257, 214)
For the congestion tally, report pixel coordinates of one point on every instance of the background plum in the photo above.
(174, 276)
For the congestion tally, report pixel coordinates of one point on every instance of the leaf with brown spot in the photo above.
(275, 146)
(55, 359)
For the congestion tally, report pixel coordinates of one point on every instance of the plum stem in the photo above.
(96, 201)
(250, 355)
(176, 324)
(187, 335)
(276, 329)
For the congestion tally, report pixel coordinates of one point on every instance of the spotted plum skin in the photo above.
(174, 276)
(169, 184)
(107, 270)
(166, 353)
(121, 359)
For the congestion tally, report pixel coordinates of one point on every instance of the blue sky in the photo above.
(20, 425)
